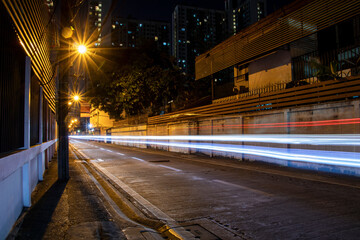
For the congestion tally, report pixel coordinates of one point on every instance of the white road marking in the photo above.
(171, 168)
(139, 159)
(120, 154)
(242, 187)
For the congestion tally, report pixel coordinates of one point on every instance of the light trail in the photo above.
(322, 139)
(211, 143)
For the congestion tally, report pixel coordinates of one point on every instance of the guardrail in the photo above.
(303, 95)
(19, 174)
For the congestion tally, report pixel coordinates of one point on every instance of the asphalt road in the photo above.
(214, 198)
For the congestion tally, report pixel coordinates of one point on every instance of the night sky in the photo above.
(159, 9)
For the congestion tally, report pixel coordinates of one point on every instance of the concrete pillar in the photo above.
(26, 188)
(41, 115)
(41, 165)
(27, 103)
(357, 115)
(287, 129)
(241, 121)
(41, 156)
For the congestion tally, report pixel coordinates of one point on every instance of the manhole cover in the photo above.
(201, 233)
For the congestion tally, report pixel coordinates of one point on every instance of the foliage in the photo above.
(143, 82)
(323, 72)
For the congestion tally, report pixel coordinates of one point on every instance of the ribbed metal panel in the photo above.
(31, 19)
(298, 20)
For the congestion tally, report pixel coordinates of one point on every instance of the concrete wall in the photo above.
(19, 175)
(270, 70)
(244, 124)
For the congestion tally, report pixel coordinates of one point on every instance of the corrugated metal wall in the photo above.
(31, 20)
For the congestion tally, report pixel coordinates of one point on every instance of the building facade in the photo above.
(195, 30)
(99, 22)
(243, 13)
(131, 33)
(291, 47)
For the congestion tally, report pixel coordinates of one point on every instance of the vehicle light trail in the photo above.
(337, 158)
(322, 139)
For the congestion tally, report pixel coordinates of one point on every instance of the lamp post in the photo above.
(63, 90)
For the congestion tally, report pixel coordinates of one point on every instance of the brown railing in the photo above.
(348, 88)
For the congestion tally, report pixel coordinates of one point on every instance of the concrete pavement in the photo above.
(76, 209)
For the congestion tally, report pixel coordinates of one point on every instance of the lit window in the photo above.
(113, 26)
(100, 5)
(99, 14)
(183, 29)
(97, 8)
(156, 38)
(99, 24)
(99, 19)
(164, 43)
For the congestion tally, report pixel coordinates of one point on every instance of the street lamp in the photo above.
(82, 49)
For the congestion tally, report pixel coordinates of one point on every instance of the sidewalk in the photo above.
(75, 209)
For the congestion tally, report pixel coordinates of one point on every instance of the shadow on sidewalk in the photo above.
(39, 216)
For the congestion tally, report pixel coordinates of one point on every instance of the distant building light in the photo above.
(140, 25)
(156, 38)
(164, 27)
(113, 26)
(183, 29)
(129, 32)
(183, 61)
(194, 15)
(164, 43)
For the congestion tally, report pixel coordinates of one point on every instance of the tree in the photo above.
(143, 82)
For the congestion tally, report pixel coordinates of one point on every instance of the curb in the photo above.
(127, 203)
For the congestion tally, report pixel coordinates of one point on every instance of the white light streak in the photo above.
(218, 143)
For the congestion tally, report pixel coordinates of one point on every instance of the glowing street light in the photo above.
(82, 49)
(76, 98)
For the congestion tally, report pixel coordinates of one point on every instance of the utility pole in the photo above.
(63, 93)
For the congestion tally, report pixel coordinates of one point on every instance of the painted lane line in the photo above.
(242, 187)
(171, 168)
(121, 154)
(102, 149)
(139, 159)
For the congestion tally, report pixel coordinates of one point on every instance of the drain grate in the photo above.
(160, 160)
(201, 233)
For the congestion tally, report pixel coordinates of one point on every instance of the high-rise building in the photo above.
(195, 30)
(127, 33)
(99, 20)
(243, 13)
